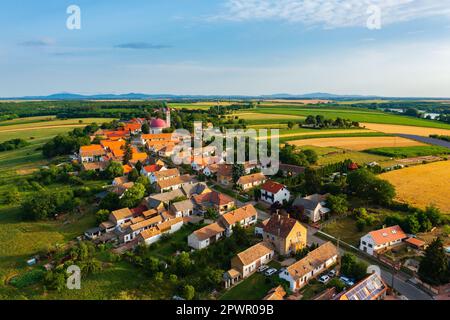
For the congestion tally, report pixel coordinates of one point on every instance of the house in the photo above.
(195, 188)
(250, 181)
(183, 208)
(119, 181)
(225, 174)
(132, 230)
(277, 293)
(259, 228)
(274, 192)
(127, 168)
(380, 240)
(164, 175)
(95, 166)
(249, 166)
(313, 206)
(286, 234)
(157, 201)
(92, 153)
(152, 235)
(119, 217)
(167, 150)
(139, 156)
(248, 261)
(315, 262)
(370, 288)
(289, 170)
(205, 236)
(122, 188)
(173, 183)
(150, 169)
(211, 169)
(244, 216)
(218, 201)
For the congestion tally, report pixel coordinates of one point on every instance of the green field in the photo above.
(328, 155)
(359, 115)
(410, 152)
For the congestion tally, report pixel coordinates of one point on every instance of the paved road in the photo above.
(401, 283)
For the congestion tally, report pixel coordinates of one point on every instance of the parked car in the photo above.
(332, 273)
(348, 282)
(270, 272)
(324, 279)
(263, 268)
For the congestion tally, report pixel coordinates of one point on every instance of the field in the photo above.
(357, 143)
(408, 152)
(423, 185)
(328, 155)
(354, 114)
(419, 131)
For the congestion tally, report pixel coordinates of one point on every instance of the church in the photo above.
(157, 125)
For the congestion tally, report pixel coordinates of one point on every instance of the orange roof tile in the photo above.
(386, 235)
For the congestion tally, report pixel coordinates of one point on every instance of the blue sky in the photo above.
(225, 47)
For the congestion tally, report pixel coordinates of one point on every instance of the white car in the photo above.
(270, 272)
(324, 279)
(332, 273)
(263, 268)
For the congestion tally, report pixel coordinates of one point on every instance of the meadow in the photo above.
(359, 115)
(423, 185)
(409, 152)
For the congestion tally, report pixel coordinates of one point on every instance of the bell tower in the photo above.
(168, 124)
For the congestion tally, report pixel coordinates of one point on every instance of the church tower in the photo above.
(168, 124)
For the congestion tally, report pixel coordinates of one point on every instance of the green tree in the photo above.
(311, 156)
(337, 204)
(110, 202)
(12, 196)
(336, 283)
(145, 128)
(188, 292)
(434, 268)
(238, 171)
(102, 215)
(290, 124)
(113, 170)
(128, 153)
(133, 175)
(133, 196)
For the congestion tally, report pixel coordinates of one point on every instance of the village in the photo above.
(216, 197)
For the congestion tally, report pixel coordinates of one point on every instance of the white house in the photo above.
(119, 217)
(182, 208)
(244, 216)
(152, 235)
(205, 236)
(316, 262)
(248, 261)
(150, 169)
(381, 239)
(273, 192)
(313, 206)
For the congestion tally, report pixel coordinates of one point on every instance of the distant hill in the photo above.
(143, 96)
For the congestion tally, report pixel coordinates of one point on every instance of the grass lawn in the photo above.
(409, 152)
(345, 227)
(328, 155)
(254, 287)
(312, 289)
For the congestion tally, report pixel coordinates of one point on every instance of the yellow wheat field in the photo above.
(357, 143)
(392, 128)
(423, 185)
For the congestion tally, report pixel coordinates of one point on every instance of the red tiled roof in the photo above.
(152, 168)
(386, 235)
(272, 186)
(280, 225)
(213, 197)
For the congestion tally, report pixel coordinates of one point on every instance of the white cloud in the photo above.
(332, 13)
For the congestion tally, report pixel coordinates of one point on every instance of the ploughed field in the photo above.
(423, 185)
